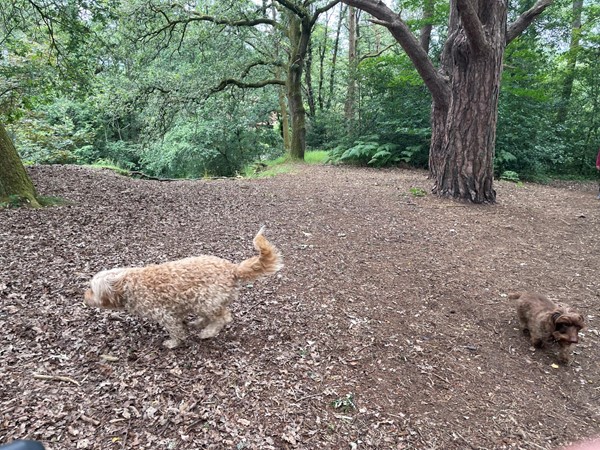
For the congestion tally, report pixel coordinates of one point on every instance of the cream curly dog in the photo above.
(546, 322)
(202, 286)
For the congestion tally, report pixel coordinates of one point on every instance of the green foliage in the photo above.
(283, 164)
(418, 192)
(509, 175)
(345, 403)
(316, 157)
(106, 90)
(369, 151)
(193, 150)
(13, 201)
(366, 152)
(323, 130)
(53, 134)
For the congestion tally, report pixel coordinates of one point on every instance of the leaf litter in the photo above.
(384, 330)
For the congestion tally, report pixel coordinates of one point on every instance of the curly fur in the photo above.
(202, 286)
(546, 321)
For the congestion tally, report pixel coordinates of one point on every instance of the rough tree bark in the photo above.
(464, 89)
(13, 176)
(298, 48)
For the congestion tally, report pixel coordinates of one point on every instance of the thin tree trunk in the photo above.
(285, 120)
(335, 54)
(425, 35)
(13, 176)
(281, 94)
(322, 52)
(351, 92)
(567, 89)
(310, 95)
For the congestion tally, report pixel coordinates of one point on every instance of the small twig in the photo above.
(440, 378)
(124, 442)
(89, 420)
(39, 376)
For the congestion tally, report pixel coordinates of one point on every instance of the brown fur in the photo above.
(546, 322)
(202, 286)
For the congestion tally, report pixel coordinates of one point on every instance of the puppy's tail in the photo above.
(266, 263)
(514, 295)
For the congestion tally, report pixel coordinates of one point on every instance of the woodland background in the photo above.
(157, 87)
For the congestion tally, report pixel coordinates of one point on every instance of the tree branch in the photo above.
(300, 12)
(250, 66)
(472, 25)
(241, 84)
(525, 19)
(233, 23)
(375, 54)
(437, 86)
(325, 8)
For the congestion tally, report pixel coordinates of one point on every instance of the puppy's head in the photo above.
(106, 290)
(567, 326)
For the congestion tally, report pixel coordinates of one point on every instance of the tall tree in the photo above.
(302, 19)
(352, 63)
(56, 27)
(336, 45)
(464, 89)
(297, 20)
(571, 61)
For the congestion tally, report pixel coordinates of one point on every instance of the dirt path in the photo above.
(388, 328)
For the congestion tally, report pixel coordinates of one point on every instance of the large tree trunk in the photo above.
(13, 177)
(299, 45)
(464, 90)
(462, 166)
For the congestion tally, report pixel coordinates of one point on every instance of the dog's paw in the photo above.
(171, 343)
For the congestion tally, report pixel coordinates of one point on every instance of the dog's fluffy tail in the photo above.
(266, 263)
(514, 295)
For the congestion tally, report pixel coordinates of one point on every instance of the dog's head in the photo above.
(567, 325)
(106, 290)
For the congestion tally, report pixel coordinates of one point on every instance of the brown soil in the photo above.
(389, 327)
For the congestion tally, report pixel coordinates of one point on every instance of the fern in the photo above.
(367, 152)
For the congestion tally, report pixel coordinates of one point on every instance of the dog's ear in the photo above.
(106, 287)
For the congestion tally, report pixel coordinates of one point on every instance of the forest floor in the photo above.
(388, 328)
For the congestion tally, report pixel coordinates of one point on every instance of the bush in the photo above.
(217, 148)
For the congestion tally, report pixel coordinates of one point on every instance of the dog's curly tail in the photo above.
(267, 263)
(514, 295)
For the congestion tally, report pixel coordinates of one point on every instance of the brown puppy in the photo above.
(546, 321)
(202, 286)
